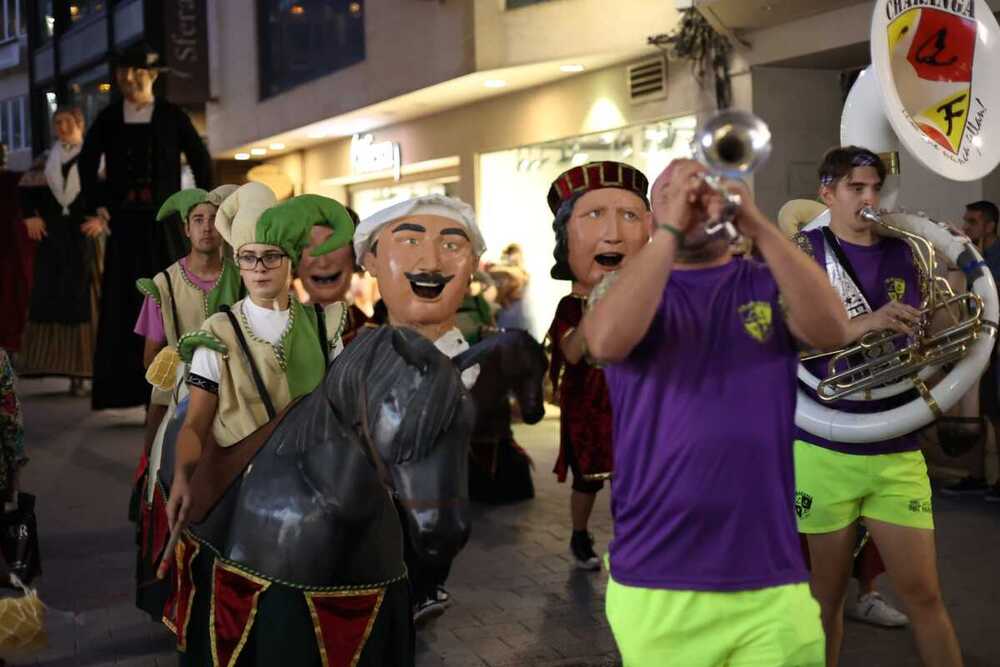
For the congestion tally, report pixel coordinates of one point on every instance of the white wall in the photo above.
(802, 108)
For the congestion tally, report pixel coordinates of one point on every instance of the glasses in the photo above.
(270, 260)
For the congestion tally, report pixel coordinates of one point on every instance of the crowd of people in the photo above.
(673, 360)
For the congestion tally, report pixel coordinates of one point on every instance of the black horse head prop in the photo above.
(419, 419)
(520, 363)
(313, 507)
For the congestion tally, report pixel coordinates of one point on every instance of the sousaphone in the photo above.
(935, 81)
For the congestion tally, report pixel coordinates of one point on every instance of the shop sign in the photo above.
(368, 156)
(185, 33)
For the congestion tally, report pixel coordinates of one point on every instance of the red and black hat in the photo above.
(595, 176)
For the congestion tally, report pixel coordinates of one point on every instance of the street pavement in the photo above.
(517, 599)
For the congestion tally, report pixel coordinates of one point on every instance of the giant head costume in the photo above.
(602, 218)
(422, 252)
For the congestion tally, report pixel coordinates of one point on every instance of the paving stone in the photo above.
(518, 600)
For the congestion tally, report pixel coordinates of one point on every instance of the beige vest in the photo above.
(192, 309)
(191, 303)
(241, 410)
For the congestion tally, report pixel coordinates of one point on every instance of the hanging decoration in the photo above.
(696, 40)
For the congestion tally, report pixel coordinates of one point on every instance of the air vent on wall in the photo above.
(647, 80)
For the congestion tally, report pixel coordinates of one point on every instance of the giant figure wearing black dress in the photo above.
(141, 139)
(62, 320)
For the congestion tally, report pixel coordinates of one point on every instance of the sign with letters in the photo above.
(368, 156)
(185, 48)
(938, 65)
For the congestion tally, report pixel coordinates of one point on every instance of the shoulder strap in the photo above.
(834, 245)
(257, 379)
(173, 305)
(321, 326)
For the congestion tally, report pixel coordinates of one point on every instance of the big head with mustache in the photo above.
(423, 253)
(602, 218)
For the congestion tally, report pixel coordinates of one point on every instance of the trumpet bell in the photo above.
(733, 143)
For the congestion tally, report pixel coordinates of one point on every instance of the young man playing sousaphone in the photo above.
(700, 359)
(884, 483)
(601, 219)
(177, 301)
(423, 252)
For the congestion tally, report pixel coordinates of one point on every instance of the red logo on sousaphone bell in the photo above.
(932, 54)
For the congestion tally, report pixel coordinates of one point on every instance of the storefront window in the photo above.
(14, 130)
(514, 184)
(301, 40)
(46, 22)
(49, 105)
(514, 4)
(368, 200)
(12, 14)
(91, 91)
(81, 9)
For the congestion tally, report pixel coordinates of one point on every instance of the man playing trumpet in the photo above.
(701, 358)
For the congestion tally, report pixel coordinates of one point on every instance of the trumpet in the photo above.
(731, 144)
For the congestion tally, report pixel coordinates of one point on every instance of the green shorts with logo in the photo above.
(834, 489)
(768, 627)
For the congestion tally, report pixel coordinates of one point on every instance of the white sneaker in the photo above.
(872, 608)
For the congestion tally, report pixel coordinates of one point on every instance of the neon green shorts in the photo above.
(769, 627)
(834, 489)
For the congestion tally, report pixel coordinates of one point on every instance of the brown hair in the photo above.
(71, 110)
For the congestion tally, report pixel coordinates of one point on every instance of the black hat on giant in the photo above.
(140, 55)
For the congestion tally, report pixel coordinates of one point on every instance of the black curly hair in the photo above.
(561, 270)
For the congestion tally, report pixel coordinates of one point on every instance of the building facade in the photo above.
(70, 44)
(489, 100)
(15, 112)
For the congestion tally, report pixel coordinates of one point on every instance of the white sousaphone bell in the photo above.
(927, 93)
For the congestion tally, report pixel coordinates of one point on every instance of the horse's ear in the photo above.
(477, 353)
(409, 353)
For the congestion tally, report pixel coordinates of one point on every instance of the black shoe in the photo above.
(581, 545)
(442, 596)
(967, 486)
(426, 610)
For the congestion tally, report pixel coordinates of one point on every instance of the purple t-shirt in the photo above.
(150, 322)
(703, 414)
(886, 271)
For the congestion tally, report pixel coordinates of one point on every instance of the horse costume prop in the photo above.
(296, 557)
(515, 364)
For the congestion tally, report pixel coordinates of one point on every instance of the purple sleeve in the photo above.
(150, 322)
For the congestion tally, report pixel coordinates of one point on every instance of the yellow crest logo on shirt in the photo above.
(895, 288)
(757, 319)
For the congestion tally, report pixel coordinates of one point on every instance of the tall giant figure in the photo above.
(142, 139)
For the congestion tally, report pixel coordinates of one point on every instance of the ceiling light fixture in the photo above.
(258, 151)
(276, 146)
(572, 68)
(242, 156)
(494, 83)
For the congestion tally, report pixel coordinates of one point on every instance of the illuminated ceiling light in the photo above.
(104, 87)
(258, 151)
(276, 146)
(297, 10)
(242, 156)
(572, 68)
(580, 158)
(494, 83)
(354, 8)
(318, 134)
